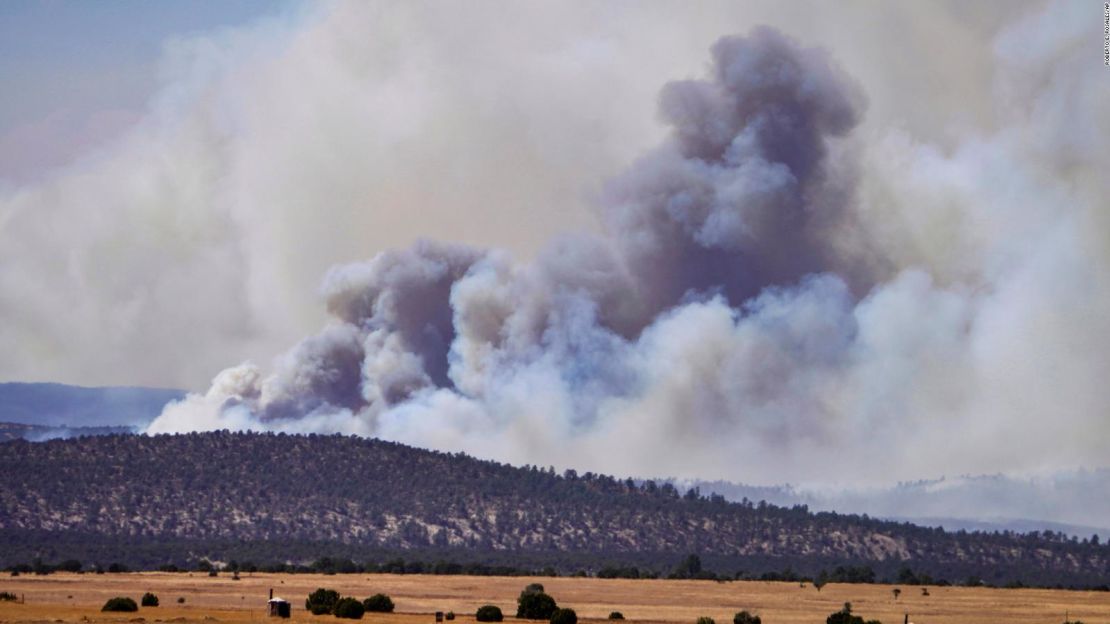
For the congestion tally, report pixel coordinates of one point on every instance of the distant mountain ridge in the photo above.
(41, 433)
(152, 500)
(1076, 502)
(1016, 525)
(61, 405)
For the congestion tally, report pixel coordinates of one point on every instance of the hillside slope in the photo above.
(196, 492)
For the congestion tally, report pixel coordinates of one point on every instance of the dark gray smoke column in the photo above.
(741, 197)
(407, 292)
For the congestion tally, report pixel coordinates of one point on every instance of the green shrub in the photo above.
(616, 615)
(149, 600)
(845, 616)
(705, 620)
(378, 603)
(321, 601)
(450, 615)
(534, 605)
(8, 597)
(120, 603)
(746, 618)
(489, 613)
(181, 600)
(564, 616)
(349, 608)
(70, 565)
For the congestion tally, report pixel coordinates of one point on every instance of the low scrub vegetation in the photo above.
(120, 603)
(378, 603)
(322, 601)
(746, 618)
(149, 600)
(535, 604)
(564, 616)
(489, 613)
(325, 601)
(845, 616)
(349, 608)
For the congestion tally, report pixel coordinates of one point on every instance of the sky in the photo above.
(79, 74)
(748, 241)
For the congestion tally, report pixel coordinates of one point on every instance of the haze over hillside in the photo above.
(175, 499)
(1075, 502)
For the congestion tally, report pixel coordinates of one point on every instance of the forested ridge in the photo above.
(284, 497)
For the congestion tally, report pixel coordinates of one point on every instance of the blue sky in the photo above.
(75, 73)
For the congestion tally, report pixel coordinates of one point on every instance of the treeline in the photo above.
(689, 567)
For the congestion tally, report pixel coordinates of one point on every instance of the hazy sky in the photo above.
(76, 74)
(871, 232)
(176, 177)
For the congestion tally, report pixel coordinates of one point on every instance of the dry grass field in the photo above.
(73, 598)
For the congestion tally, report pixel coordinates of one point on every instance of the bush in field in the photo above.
(149, 600)
(450, 615)
(535, 605)
(120, 603)
(8, 597)
(378, 603)
(706, 620)
(321, 601)
(746, 618)
(489, 613)
(349, 608)
(845, 616)
(564, 616)
(181, 600)
(616, 615)
(70, 565)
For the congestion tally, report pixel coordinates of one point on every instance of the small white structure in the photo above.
(278, 607)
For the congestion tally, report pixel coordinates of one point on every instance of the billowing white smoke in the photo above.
(772, 296)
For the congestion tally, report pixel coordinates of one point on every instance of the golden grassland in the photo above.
(77, 598)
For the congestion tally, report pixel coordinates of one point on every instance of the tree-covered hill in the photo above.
(178, 498)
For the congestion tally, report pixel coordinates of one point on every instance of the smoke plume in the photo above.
(872, 247)
(774, 294)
